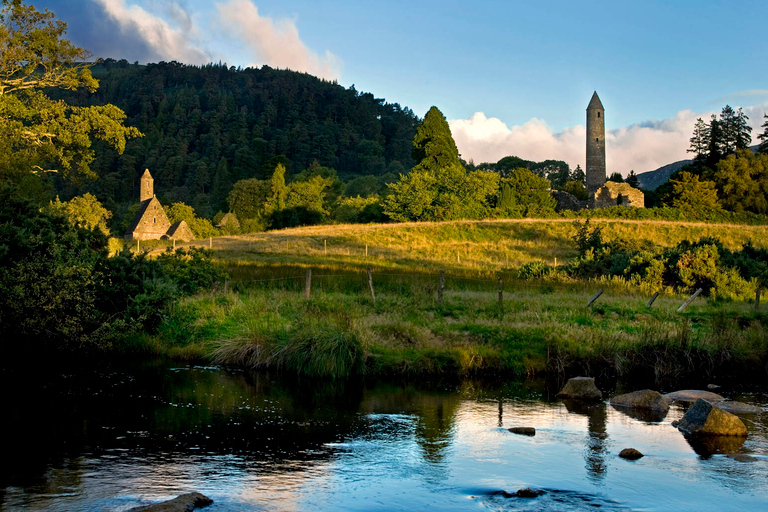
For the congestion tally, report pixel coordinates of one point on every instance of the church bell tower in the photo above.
(595, 145)
(147, 187)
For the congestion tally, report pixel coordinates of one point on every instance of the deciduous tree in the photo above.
(38, 133)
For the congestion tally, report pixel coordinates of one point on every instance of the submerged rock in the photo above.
(643, 399)
(703, 418)
(630, 454)
(184, 503)
(691, 395)
(523, 431)
(580, 388)
(742, 457)
(713, 387)
(737, 407)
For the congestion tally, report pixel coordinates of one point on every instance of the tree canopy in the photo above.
(37, 133)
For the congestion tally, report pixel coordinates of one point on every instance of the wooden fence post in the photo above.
(370, 285)
(685, 304)
(138, 246)
(210, 242)
(325, 247)
(458, 260)
(174, 244)
(501, 298)
(650, 302)
(307, 283)
(594, 297)
(440, 287)
(757, 298)
(366, 251)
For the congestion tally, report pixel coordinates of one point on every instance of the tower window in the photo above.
(154, 221)
(597, 140)
(598, 114)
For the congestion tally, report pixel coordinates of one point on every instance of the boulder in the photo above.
(643, 399)
(523, 431)
(713, 387)
(580, 388)
(184, 503)
(630, 454)
(703, 418)
(691, 395)
(737, 407)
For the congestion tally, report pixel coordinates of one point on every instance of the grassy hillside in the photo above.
(475, 247)
(264, 320)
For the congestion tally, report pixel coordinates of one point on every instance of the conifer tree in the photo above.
(763, 137)
(700, 139)
(433, 145)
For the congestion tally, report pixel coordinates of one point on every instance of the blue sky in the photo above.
(523, 65)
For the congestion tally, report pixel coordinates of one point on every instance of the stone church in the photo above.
(150, 221)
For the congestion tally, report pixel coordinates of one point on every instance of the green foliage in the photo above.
(279, 191)
(38, 133)
(742, 180)
(576, 188)
(59, 289)
(616, 177)
(202, 228)
(763, 137)
(530, 192)
(83, 211)
(248, 197)
(359, 210)
(534, 270)
(310, 194)
(433, 145)
(691, 195)
(586, 239)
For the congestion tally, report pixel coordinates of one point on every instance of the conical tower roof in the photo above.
(147, 175)
(595, 103)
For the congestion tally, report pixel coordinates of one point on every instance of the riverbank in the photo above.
(539, 329)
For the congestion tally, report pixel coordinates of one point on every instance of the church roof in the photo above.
(146, 174)
(139, 214)
(181, 231)
(595, 102)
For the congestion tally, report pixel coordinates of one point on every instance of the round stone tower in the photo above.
(147, 187)
(595, 145)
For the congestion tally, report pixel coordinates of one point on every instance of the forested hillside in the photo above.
(207, 128)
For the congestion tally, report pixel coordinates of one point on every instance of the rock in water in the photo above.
(630, 453)
(737, 407)
(581, 388)
(523, 431)
(529, 493)
(643, 399)
(184, 503)
(703, 418)
(691, 395)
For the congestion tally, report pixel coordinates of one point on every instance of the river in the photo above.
(108, 436)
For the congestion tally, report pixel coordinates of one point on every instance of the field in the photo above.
(474, 247)
(261, 317)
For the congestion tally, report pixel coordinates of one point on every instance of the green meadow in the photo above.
(261, 317)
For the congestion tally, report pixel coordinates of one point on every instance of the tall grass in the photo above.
(340, 332)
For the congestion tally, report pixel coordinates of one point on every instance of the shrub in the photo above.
(534, 270)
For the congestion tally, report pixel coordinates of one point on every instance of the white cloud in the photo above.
(274, 42)
(166, 42)
(640, 147)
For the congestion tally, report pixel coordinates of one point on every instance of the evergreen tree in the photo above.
(578, 174)
(735, 130)
(632, 179)
(689, 194)
(433, 145)
(763, 137)
(700, 139)
(616, 177)
(716, 144)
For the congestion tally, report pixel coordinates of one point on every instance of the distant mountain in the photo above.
(652, 180)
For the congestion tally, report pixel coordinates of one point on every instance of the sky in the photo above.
(512, 77)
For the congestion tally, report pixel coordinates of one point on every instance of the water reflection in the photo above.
(112, 437)
(644, 415)
(595, 451)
